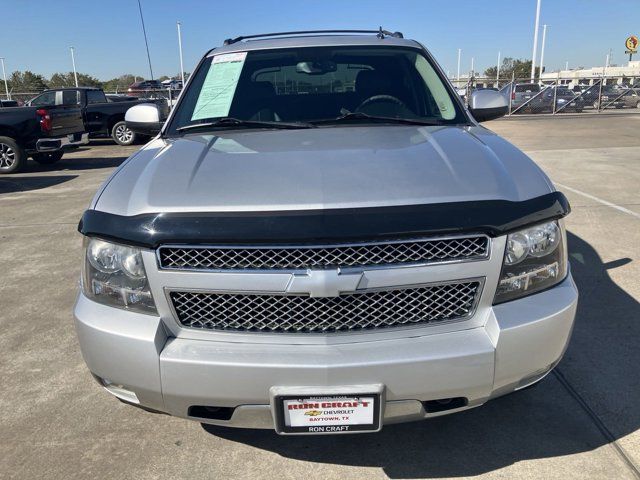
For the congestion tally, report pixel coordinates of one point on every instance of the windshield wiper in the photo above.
(236, 122)
(350, 116)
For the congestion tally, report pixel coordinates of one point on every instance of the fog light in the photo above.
(119, 390)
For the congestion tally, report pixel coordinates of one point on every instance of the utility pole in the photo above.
(73, 62)
(535, 43)
(544, 37)
(4, 75)
(144, 31)
(180, 48)
(459, 56)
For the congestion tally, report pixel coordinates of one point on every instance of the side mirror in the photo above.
(144, 119)
(488, 105)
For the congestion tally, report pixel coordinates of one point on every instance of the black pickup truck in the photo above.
(41, 133)
(102, 116)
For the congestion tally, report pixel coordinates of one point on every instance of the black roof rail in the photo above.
(380, 32)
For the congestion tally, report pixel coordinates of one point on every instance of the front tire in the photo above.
(12, 156)
(48, 158)
(122, 135)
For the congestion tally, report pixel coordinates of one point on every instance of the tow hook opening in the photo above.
(211, 413)
(443, 404)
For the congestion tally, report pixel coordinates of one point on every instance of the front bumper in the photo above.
(520, 342)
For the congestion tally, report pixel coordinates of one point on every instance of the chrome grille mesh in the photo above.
(348, 312)
(300, 257)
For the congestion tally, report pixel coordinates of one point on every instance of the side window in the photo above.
(47, 99)
(96, 96)
(70, 97)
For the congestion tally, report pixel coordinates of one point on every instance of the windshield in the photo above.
(307, 85)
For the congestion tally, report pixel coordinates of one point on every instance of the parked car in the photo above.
(593, 96)
(631, 98)
(144, 87)
(525, 98)
(173, 84)
(565, 100)
(323, 260)
(102, 116)
(9, 103)
(39, 132)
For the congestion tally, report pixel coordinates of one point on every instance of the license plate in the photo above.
(328, 414)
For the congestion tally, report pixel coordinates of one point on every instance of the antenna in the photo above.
(144, 30)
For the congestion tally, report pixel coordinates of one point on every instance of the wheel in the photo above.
(48, 158)
(122, 135)
(12, 156)
(596, 104)
(638, 105)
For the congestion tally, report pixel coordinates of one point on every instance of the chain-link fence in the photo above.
(560, 95)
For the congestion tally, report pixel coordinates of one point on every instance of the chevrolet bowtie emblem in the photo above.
(324, 283)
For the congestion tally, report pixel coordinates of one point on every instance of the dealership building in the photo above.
(627, 75)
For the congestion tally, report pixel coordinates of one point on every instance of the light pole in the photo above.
(544, 36)
(73, 62)
(472, 69)
(4, 75)
(566, 65)
(459, 56)
(498, 71)
(535, 43)
(180, 48)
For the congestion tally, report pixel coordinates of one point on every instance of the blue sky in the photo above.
(108, 41)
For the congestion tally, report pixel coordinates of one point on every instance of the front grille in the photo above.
(301, 257)
(349, 312)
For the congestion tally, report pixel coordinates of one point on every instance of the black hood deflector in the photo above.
(493, 217)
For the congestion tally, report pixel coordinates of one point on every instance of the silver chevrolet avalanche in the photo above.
(322, 238)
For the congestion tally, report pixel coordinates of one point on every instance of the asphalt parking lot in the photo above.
(583, 421)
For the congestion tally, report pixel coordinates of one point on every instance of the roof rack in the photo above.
(380, 32)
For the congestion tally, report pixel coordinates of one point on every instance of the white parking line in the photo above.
(599, 200)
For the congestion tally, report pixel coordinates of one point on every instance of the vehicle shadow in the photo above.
(541, 422)
(24, 184)
(71, 163)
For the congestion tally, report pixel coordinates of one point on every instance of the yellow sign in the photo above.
(631, 43)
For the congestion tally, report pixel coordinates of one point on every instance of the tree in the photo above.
(163, 78)
(26, 81)
(511, 67)
(59, 80)
(120, 83)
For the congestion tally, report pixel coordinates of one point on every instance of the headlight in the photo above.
(114, 275)
(534, 259)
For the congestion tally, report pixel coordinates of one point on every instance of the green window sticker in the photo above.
(219, 86)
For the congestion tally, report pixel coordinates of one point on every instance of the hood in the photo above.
(321, 168)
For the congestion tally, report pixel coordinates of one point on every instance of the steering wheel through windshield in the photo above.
(372, 104)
